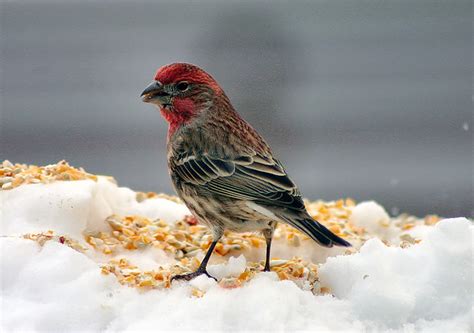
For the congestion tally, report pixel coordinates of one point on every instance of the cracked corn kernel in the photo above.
(197, 292)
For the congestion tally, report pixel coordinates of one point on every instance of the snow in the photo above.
(233, 267)
(423, 287)
(432, 280)
(373, 218)
(75, 208)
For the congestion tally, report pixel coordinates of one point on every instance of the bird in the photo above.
(221, 168)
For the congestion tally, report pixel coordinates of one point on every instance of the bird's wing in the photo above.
(254, 177)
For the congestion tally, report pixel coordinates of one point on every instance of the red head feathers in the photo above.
(190, 73)
(182, 91)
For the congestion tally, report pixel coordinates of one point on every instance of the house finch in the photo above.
(221, 167)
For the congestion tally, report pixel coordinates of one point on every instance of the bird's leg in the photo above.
(202, 268)
(268, 233)
(267, 257)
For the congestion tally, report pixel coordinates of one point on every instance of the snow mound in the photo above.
(76, 208)
(391, 285)
(426, 286)
(373, 218)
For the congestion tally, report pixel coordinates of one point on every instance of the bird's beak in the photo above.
(155, 94)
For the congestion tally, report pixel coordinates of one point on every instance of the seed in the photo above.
(197, 293)
(5, 180)
(278, 262)
(295, 240)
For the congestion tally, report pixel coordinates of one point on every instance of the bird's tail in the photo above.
(317, 232)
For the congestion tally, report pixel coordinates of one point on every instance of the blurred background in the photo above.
(361, 99)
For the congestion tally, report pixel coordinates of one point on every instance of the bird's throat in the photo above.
(181, 112)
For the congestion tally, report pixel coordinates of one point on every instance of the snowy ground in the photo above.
(423, 287)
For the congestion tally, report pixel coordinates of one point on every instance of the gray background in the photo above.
(362, 99)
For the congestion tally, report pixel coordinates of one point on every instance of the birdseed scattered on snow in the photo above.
(186, 240)
(43, 237)
(14, 175)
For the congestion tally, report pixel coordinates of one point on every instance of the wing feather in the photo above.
(257, 178)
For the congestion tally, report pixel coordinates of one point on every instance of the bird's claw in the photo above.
(192, 275)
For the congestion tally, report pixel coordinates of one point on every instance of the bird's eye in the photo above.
(182, 86)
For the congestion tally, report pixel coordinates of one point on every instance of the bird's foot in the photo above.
(192, 275)
(267, 268)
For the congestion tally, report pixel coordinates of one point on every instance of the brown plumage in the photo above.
(221, 168)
